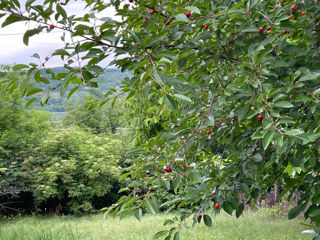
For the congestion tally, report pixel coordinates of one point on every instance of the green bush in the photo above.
(74, 166)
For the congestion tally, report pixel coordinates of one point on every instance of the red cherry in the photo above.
(183, 165)
(46, 58)
(209, 132)
(217, 205)
(299, 11)
(153, 11)
(277, 5)
(168, 170)
(269, 30)
(199, 217)
(145, 20)
(131, 1)
(188, 14)
(169, 22)
(303, 13)
(51, 26)
(206, 26)
(218, 123)
(286, 32)
(279, 36)
(137, 195)
(200, 132)
(261, 29)
(260, 117)
(229, 69)
(63, 4)
(291, 16)
(182, 174)
(293, 7)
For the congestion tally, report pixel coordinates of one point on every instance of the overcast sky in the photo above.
(13, 50)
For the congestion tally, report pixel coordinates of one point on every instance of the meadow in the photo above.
(251, 226)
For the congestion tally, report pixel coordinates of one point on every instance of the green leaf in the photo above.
(168, 222)
(239, 210)
(193, 9)
(294, 212)
(207, 220)
(169, 101)
(194, 176)
(18, 67)
(30, 102)
(151, 206)
(310, 76)
(176, 236)
(61, 11)
(182, 97)
(138, 214)
(157, 78)
(266, 123)
(294, 132)
(160, 234)
(244, 187)
(33, 90)
(249, 30)
(283, 104)
(267, 139)
(12, 19)
(227, 207)
(72, 91)
(182, 17)
(96, 93)
(242, 112)
(30, 33)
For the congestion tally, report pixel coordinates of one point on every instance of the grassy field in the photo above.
(249, 227)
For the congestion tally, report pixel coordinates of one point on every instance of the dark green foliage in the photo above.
(250, 82)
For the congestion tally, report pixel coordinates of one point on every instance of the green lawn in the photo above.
(94, 227)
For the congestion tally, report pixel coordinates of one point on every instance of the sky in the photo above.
(13, 50)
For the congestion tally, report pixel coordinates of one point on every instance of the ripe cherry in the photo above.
(209, 132)
(293, 7)
(278, 35)
(299, 11)
(229, 69)
(277, 5)
(153, 11)
(217, 205)
(168, 170)
(51, 26)
(269, 30)
(303, 13)
(183, 165)
(46, 58)
(199, 217)
(131, 1)
(200, 132)
(181, 174)
(218, 123)
(63, 4)
(169, 22)
(206, 26)
(291, 16)
(145, 20)
(261, 29)
(188, 14)
(260, 117)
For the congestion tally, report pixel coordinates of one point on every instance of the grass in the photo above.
(250, 227)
